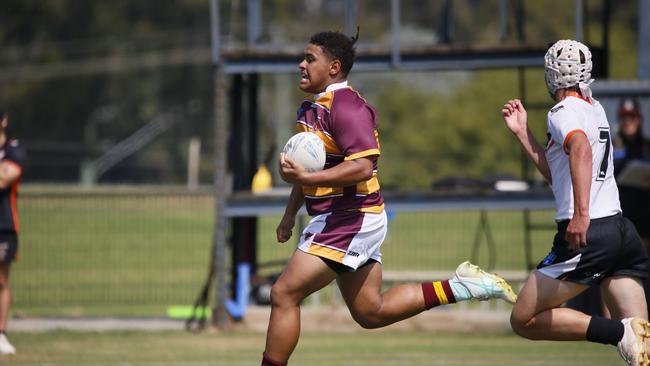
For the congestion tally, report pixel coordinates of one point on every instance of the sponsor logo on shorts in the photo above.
(549, 259)
(592, 275)
(353, 254)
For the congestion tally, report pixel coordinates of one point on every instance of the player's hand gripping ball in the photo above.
(307, 149)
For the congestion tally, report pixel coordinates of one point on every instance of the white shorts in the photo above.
(350, 238)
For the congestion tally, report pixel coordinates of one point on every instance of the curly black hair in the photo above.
(337, 46)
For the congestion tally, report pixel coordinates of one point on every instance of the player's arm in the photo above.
(516, 120)
(345, 174)
(284, 229)
(9, 173)
(349, 172)
(580, 165)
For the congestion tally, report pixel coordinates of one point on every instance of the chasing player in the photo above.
(594, 244)
(342, 241)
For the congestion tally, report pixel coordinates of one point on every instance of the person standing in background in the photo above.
(629, 145)
(12, 160)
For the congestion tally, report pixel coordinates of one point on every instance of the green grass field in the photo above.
(244, 349)
(101, 254)
(116, 253)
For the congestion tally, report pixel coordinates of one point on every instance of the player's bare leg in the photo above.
(372, 309)
(361, 291)
(6, 348)
(536, 314)
(304, 274)
(624, 297)
(5, 296)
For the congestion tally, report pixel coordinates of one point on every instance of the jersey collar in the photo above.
(332, 87)
(571, 93)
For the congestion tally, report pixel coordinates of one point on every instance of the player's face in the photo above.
(314, 70)
(630, 125)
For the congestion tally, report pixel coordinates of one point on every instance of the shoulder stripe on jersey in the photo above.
(325, 101)
(328, 141)
(569, 136)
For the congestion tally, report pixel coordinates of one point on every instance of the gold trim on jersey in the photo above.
(369, 186)
(321, 192)
(366, 187)
(301, 126)
(326, 252)
(363, 154)
(373, 209)
(325, 101)
(330, 144)
(328, 141)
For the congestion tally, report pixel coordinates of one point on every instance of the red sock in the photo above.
(266, 361)
(437, 293)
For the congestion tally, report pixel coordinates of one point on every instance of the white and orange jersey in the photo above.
(577, 115)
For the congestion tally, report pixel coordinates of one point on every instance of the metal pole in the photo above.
(220, 317)
(446, 23)
(350, 17)
(215, 38)
(644, 40)
(503, 18)
(520, 20)
(395, 57)
(254, 18)
(579, 21)
(604, 61)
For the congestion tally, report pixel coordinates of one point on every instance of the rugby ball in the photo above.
(307, 149)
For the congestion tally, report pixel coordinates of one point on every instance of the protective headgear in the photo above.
(568, 63)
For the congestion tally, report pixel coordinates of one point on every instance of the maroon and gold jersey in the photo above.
(347, 125)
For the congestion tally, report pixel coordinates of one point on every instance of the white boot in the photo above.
(5, 347)
(632, 346)
(483, 285)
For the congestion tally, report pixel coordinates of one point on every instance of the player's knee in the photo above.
(282, 295)
(367, 321)
(278, 295)
(367, 318)
(521, 323)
